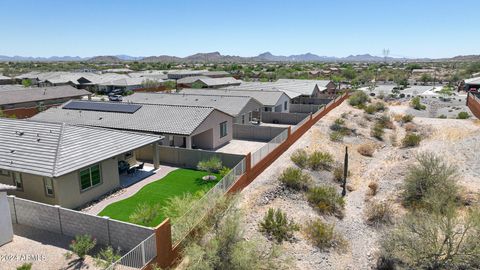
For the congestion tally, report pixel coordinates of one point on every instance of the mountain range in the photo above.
(218, 58)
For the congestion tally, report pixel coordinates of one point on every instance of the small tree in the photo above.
(416, 104)
(212, 165)
(82, 245)
(106, 257)
(144, 214)
(26, 83)
(275, 224)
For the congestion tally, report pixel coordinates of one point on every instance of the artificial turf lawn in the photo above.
(173, 184)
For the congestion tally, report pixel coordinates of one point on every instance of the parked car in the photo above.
(115, 98)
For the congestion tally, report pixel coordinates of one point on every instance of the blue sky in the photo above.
(420, 28)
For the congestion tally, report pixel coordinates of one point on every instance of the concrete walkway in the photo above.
(131, 190)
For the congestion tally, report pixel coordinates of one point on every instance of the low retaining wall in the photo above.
(71, 223)
(283, 118)
(189, 158)
(473, 104)
(167, 254)
(255, 133)
(312, 100)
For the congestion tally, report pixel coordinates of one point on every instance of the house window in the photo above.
(48, 183)
(250, 117)
(90, 177)
(17, 180)
(243, 118)
(285, 106)
(4, 172)
(223, 129)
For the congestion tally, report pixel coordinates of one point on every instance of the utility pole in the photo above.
(386, 53)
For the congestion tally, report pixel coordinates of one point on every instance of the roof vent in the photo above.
(12, 151)
(100, 118)
(19, 133)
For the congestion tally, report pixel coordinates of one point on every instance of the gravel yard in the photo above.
(452, 139)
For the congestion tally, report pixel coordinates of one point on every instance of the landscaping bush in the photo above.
(430, 177)
(433, 240)
(106, 257)
(366, 150)
(379, 213)
(377, 131)
(144, 213)
(370, 109)
(175, 207)
(25, 266)
(212, 165)
(224, 171)
(295, 179)
(407, 118)
(463, 115)
(327, 200)
(319, 160)
(82, 245)
(358, 98)
(300, 158)
(322, 235)
(275, 224)
(380, 106)
(416, 104)
(411, 140)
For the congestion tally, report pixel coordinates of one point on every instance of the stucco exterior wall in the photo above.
(213, 122)
(33, 188)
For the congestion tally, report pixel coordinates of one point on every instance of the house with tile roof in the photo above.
(65, 164)
(181, 125)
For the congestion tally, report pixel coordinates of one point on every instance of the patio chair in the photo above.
(139, 167)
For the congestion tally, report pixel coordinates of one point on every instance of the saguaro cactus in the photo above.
(345, 172)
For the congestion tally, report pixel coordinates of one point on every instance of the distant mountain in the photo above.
(105, 59)
(216, 57)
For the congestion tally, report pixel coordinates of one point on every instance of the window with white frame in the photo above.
(90, 177)
(4, 172)
(17, 180)
(48, 183)
(223, 129)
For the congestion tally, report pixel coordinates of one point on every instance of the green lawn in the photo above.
(173, 184)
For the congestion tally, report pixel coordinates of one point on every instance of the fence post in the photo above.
(108, 229)
(14, 208)
(142, 249)
(163, 235)
(59, 219)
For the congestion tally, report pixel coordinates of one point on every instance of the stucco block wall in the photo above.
(68, 186)
(283, 118)
(255, 133)
(71, 223)
(188, 158)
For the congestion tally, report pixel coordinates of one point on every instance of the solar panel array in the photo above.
(102, 106)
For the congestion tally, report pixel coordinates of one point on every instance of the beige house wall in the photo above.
(213, 122)
(33, 187)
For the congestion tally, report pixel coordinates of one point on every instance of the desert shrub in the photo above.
(416, 104)
(430, 177)
(106, 257)
(300, 158)
(25, 266)
(370, 109)
(228, 249)
(410, 127)
(366, 150)
(463, 115)
(224, 171)
(276, 225)
(379, 213)
(175, 207)
(336, 136)
(433, 240)
(295, 179)
(212, 165)
(327, 200)
(393, 139)
(144, 213)
(358, 98)
(337, 124)
(407, 118)
(380, 106)
(385, 122)
(322, 235)
(442, 116)
(82, 245)
(338, 173)
(411, 140)
(372, 188)
(319, 160)
(377, 131)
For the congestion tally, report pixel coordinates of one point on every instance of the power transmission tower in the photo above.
(386, 53)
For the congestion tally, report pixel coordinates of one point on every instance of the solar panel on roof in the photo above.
(102, 106)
